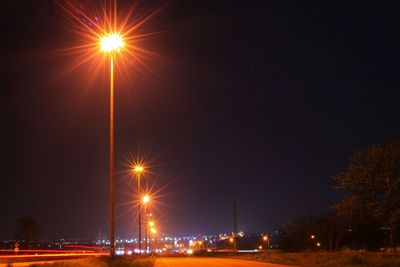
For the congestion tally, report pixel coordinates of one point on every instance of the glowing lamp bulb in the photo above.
(146, 199)
(138, 168)
(111, 42)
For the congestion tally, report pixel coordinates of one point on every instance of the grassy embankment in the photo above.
(336, 259)
(102, 262)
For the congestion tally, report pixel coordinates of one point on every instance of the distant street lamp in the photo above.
(266, 239)
(138, 170)
(111, 44)
(152, 231)
(145, 200)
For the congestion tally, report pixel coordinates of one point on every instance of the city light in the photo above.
(151, 223)
(265, 238)
(153, 230)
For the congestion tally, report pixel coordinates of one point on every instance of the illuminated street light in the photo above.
(231, 239)
(145, 199)
(312, 236)
(151, 231)
(138, 169)
(111, 43)
(266, 239)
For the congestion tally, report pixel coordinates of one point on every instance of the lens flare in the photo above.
(101, 30)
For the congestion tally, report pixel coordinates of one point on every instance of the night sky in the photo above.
(254, 101)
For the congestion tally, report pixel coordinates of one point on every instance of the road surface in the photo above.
(210, 262)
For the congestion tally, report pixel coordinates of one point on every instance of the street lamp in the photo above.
(145, 200)
(111, 44)
(266, 239)
(153, 231)
(138, 169)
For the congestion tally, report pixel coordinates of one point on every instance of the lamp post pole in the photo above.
(112, 178)
(139, 214)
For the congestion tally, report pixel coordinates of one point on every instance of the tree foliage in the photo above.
(312, 233)
(372, 186)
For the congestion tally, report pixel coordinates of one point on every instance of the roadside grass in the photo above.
(326, 259)
(126, 261)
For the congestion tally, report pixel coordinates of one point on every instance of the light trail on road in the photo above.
(26, 260)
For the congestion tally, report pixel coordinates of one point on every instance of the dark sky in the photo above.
(255, 101)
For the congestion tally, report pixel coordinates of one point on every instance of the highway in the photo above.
(210, 262)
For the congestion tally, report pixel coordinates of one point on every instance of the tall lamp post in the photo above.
(138, 169)
(145, 200)
(111, 44)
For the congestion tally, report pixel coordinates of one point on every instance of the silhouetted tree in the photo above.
(331, 229)
(296, 235)
(312, 233)
(28, 230)
(372, 187)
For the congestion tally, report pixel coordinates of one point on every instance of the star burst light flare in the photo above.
(105, 35)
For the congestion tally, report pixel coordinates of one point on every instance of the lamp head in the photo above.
(111, 43)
